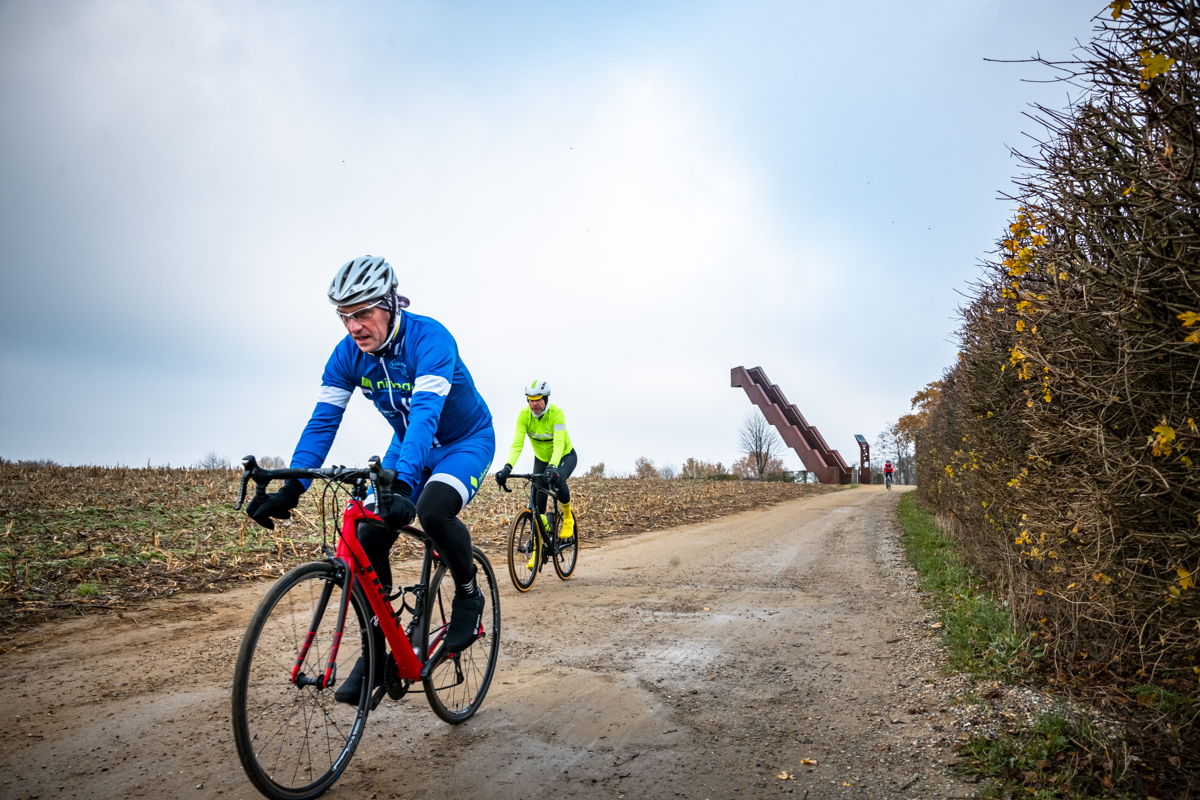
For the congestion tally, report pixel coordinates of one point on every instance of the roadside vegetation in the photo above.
(1062, 754)
(1061, 452)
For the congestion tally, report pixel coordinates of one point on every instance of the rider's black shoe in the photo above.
(466, 615)
(350, 689)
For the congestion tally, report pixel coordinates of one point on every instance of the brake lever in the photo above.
(382, 479)
(248, 467)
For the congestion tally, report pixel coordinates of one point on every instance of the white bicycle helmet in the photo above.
(538, 389)
(362, 280)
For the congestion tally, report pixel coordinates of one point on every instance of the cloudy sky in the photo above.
(624, 198)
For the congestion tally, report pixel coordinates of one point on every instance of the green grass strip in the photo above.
(979, 631)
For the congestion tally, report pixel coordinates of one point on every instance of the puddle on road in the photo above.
(584, 709)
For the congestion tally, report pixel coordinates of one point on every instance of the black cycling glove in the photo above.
(277, 504)
(551, 475)
(502, 475)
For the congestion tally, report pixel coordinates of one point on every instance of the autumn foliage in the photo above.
(1062, 448)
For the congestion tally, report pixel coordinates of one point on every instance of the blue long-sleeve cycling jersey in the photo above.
(419, 384)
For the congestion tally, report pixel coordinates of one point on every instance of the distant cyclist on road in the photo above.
(553, 456)
(889, 472)
(442, 442)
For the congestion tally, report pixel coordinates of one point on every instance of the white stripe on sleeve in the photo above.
(334, 396)
(432, 383)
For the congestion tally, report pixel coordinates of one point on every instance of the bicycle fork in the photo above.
(298, 677)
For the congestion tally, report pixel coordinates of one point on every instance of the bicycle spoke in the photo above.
(295, 740)
(456, 687)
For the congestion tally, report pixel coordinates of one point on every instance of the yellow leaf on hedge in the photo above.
(1185, 578)
(1188, 318)
(1118, 6)
(1162, 442)
(1155, 64)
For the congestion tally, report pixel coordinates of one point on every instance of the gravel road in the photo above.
(781, 652)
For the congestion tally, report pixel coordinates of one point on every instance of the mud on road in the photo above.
(782, 652)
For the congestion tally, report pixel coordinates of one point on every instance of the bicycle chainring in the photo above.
(393, 684)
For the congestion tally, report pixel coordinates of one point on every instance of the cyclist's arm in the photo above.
(435, 354)
(317, 437)
(518, 443)
(559, 420)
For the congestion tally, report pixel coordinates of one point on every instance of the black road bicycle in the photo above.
(533, 539)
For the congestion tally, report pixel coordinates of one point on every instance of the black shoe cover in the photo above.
(466, 613)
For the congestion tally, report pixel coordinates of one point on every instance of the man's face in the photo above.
(537, 404)
(367, 323)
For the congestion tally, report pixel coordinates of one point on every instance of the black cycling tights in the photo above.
(565, 467)
(437, 508)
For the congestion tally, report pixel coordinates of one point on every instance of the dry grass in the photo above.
(79, 538)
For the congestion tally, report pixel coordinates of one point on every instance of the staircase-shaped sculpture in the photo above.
(826, 464)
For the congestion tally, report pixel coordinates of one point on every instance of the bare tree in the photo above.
(669, 472)
(760, 443)
(213, 460)
(895, 445)
(595, 470)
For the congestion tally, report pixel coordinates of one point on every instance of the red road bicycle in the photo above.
(293, 738)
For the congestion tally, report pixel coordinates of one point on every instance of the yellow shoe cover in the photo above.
(568, 527)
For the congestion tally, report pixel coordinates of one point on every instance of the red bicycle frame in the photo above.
(358, 568)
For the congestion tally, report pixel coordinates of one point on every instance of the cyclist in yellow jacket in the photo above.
(553, 456)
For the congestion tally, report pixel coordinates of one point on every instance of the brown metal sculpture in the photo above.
(864, 458)
(825, 463)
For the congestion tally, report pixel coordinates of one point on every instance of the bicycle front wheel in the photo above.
(566, 552)
(456, 687)
(524, 551)
(292, 737)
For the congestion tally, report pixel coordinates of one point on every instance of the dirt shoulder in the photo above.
(701, 661)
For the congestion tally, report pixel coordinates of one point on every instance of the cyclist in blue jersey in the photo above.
(442, 446)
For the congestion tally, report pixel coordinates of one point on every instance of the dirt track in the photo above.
(699, 662)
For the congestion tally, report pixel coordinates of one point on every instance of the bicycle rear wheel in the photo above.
(293, 739)
(566, 551)
(456, 687)
(524, 547)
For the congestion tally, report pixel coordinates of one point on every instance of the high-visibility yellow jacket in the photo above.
(548, 434)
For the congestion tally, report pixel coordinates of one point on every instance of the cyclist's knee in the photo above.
(438, 504)
(376, 540)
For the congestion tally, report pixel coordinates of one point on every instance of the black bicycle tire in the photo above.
(437, 605)
(517, 561)
(572, 546)
(244, 736)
